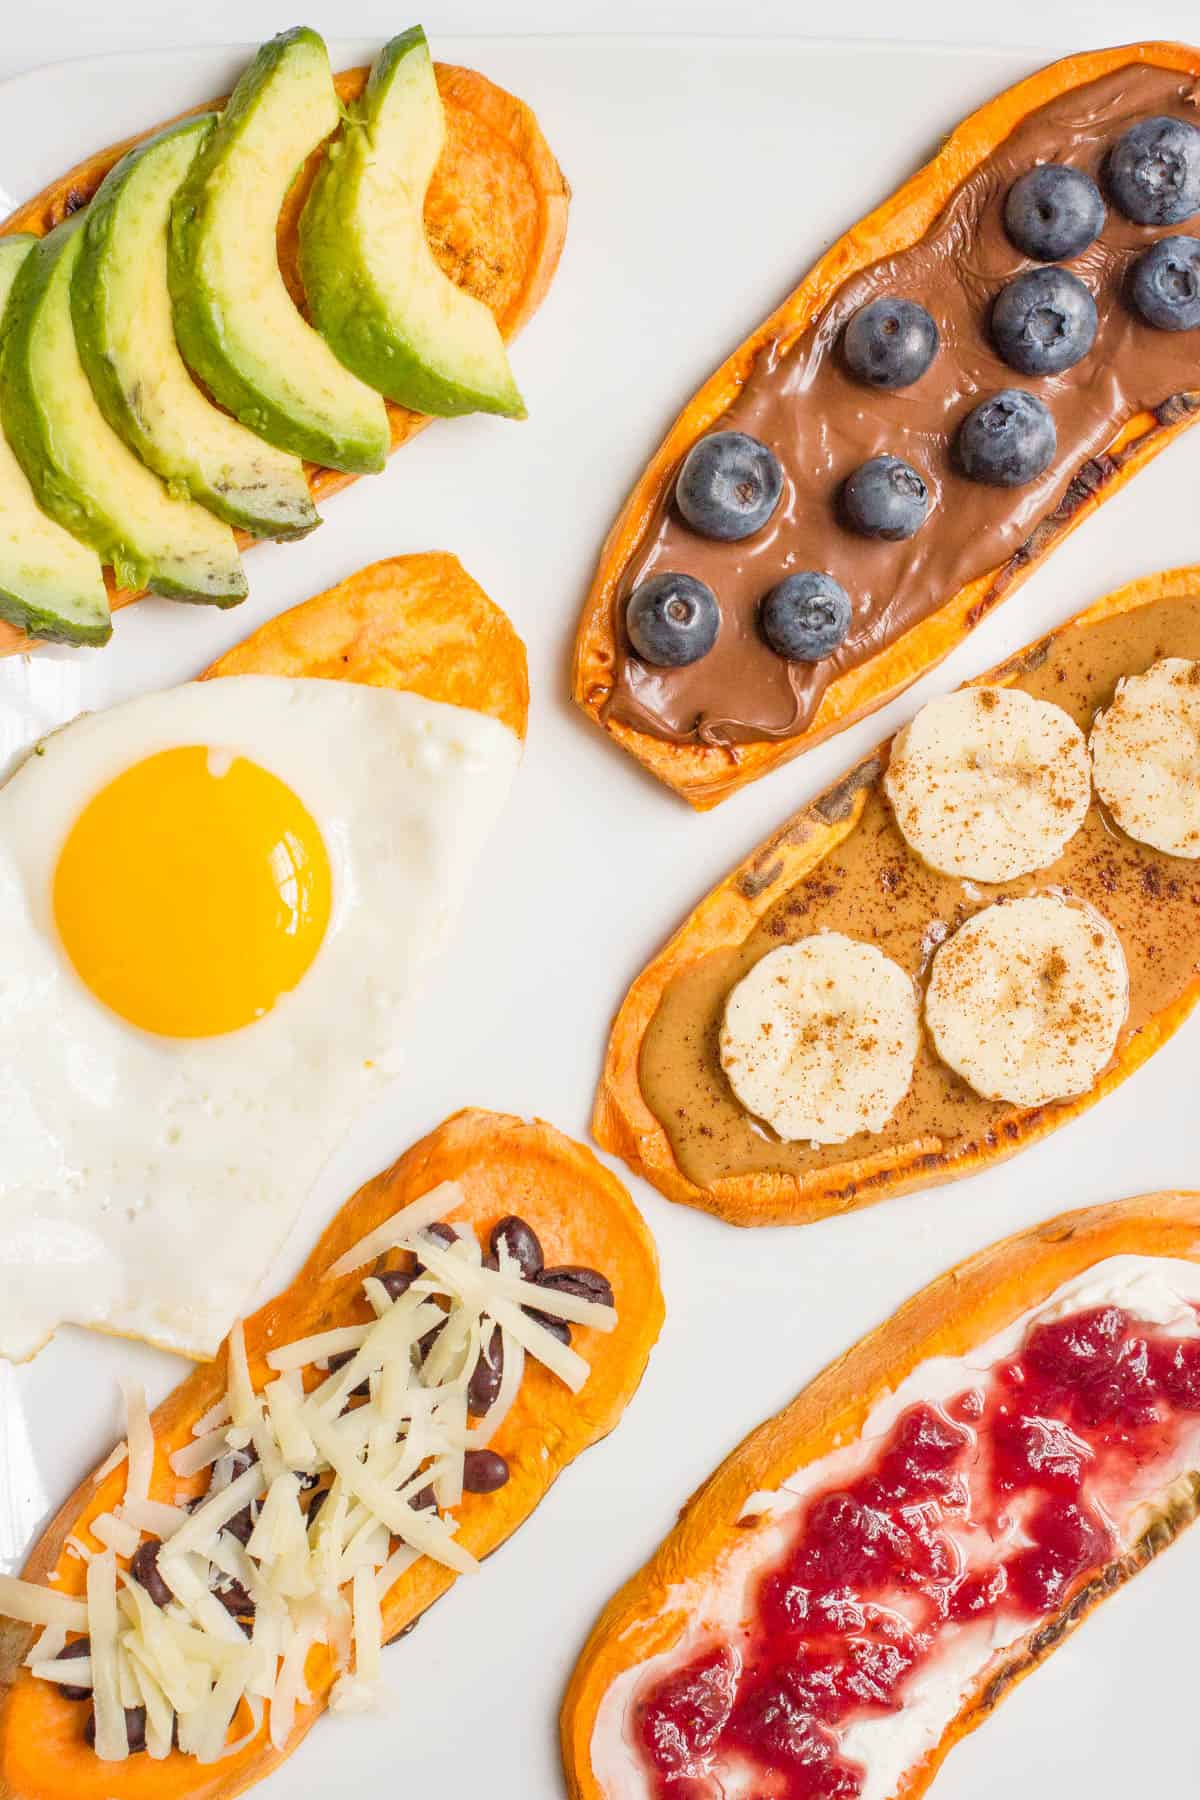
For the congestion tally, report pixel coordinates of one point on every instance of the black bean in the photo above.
(144, 1569)
(241, 1525)
(484, 1384)
(397, 1281)
(79, 1647)
(306, 1480)
(556, 1327)
(483, 1472)
(317, 1502)
(339, 1362)
(521, 1242)
(425, 1344)
(573, 1278)
(423, 1500)
(235, 1599)
(135, 1729)
(441, 1234)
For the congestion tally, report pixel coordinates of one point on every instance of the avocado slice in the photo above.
(51, 586)
(121, 308)
(79, 469)
(237, 326)
(375, 290)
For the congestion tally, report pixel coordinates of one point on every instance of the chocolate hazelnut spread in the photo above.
(873, 887)
(822, 424)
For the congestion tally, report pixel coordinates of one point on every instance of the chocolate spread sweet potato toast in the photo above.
(742, 708)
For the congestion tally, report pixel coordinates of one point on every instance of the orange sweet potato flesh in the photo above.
(623, 1122)
(960, 1310)
(504, 1164)
(704, 775)
(414, 622)
(495, 217)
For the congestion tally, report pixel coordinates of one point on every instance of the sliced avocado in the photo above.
(121, 307)
(237, 326)
(375, 290)
(51, 586)
(79, 469)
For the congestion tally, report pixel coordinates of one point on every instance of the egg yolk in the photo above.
(192, 892)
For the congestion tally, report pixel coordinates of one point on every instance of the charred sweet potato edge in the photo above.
(622, 1121)
(504, 1164)
(495, 215)
(961, 1309)
(704, 775)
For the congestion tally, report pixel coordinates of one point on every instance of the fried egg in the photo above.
(215, 901)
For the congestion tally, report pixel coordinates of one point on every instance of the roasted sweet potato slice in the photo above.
(840, 863)
(495, 214)
(504, 1165)
(959, 1311)
(414, 622)
(704, 773)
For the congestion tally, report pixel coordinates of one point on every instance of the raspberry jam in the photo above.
(992, 1509)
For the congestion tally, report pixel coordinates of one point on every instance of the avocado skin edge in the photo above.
(49, 627)
(198, 324)
(27, 428)
(345, 304)
(106, 384)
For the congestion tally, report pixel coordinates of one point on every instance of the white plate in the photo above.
(706, 179)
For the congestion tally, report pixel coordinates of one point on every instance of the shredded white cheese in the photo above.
(382, 1432)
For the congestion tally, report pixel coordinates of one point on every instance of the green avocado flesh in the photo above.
(235, 321)
(81, 472)
(51, 586)
(375, 290)
(121, 307)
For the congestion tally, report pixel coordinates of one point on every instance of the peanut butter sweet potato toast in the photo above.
(707, 772)
(495, 216)
(503, 1165)
(840, 862)
(960, 1310)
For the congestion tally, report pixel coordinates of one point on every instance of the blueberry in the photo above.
(890, 343)
(1154, 171)
(885, 498)
(672, 620)
(1164, 284)
(1053, 212)
(1007, 440)
(729, 485)
(806, 617)
(1044, 322)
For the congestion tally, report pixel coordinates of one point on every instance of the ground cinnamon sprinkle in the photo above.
(876, 889)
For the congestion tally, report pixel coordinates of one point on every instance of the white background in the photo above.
(706, 179)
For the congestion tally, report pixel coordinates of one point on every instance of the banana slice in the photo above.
(819, 1039)
(1025, 1001)
(989, 783)
(1146, 756)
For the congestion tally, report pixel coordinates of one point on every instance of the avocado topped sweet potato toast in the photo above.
(494, 217)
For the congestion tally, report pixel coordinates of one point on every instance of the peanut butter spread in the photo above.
(822, 425)
(872, 886)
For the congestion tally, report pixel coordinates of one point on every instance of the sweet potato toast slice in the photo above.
(414, 622)
(705, 774)
(495, 216)
(961, 1309)
(810, 851)
(504, 1165)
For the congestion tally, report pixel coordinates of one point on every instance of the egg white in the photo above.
(147, 1181)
